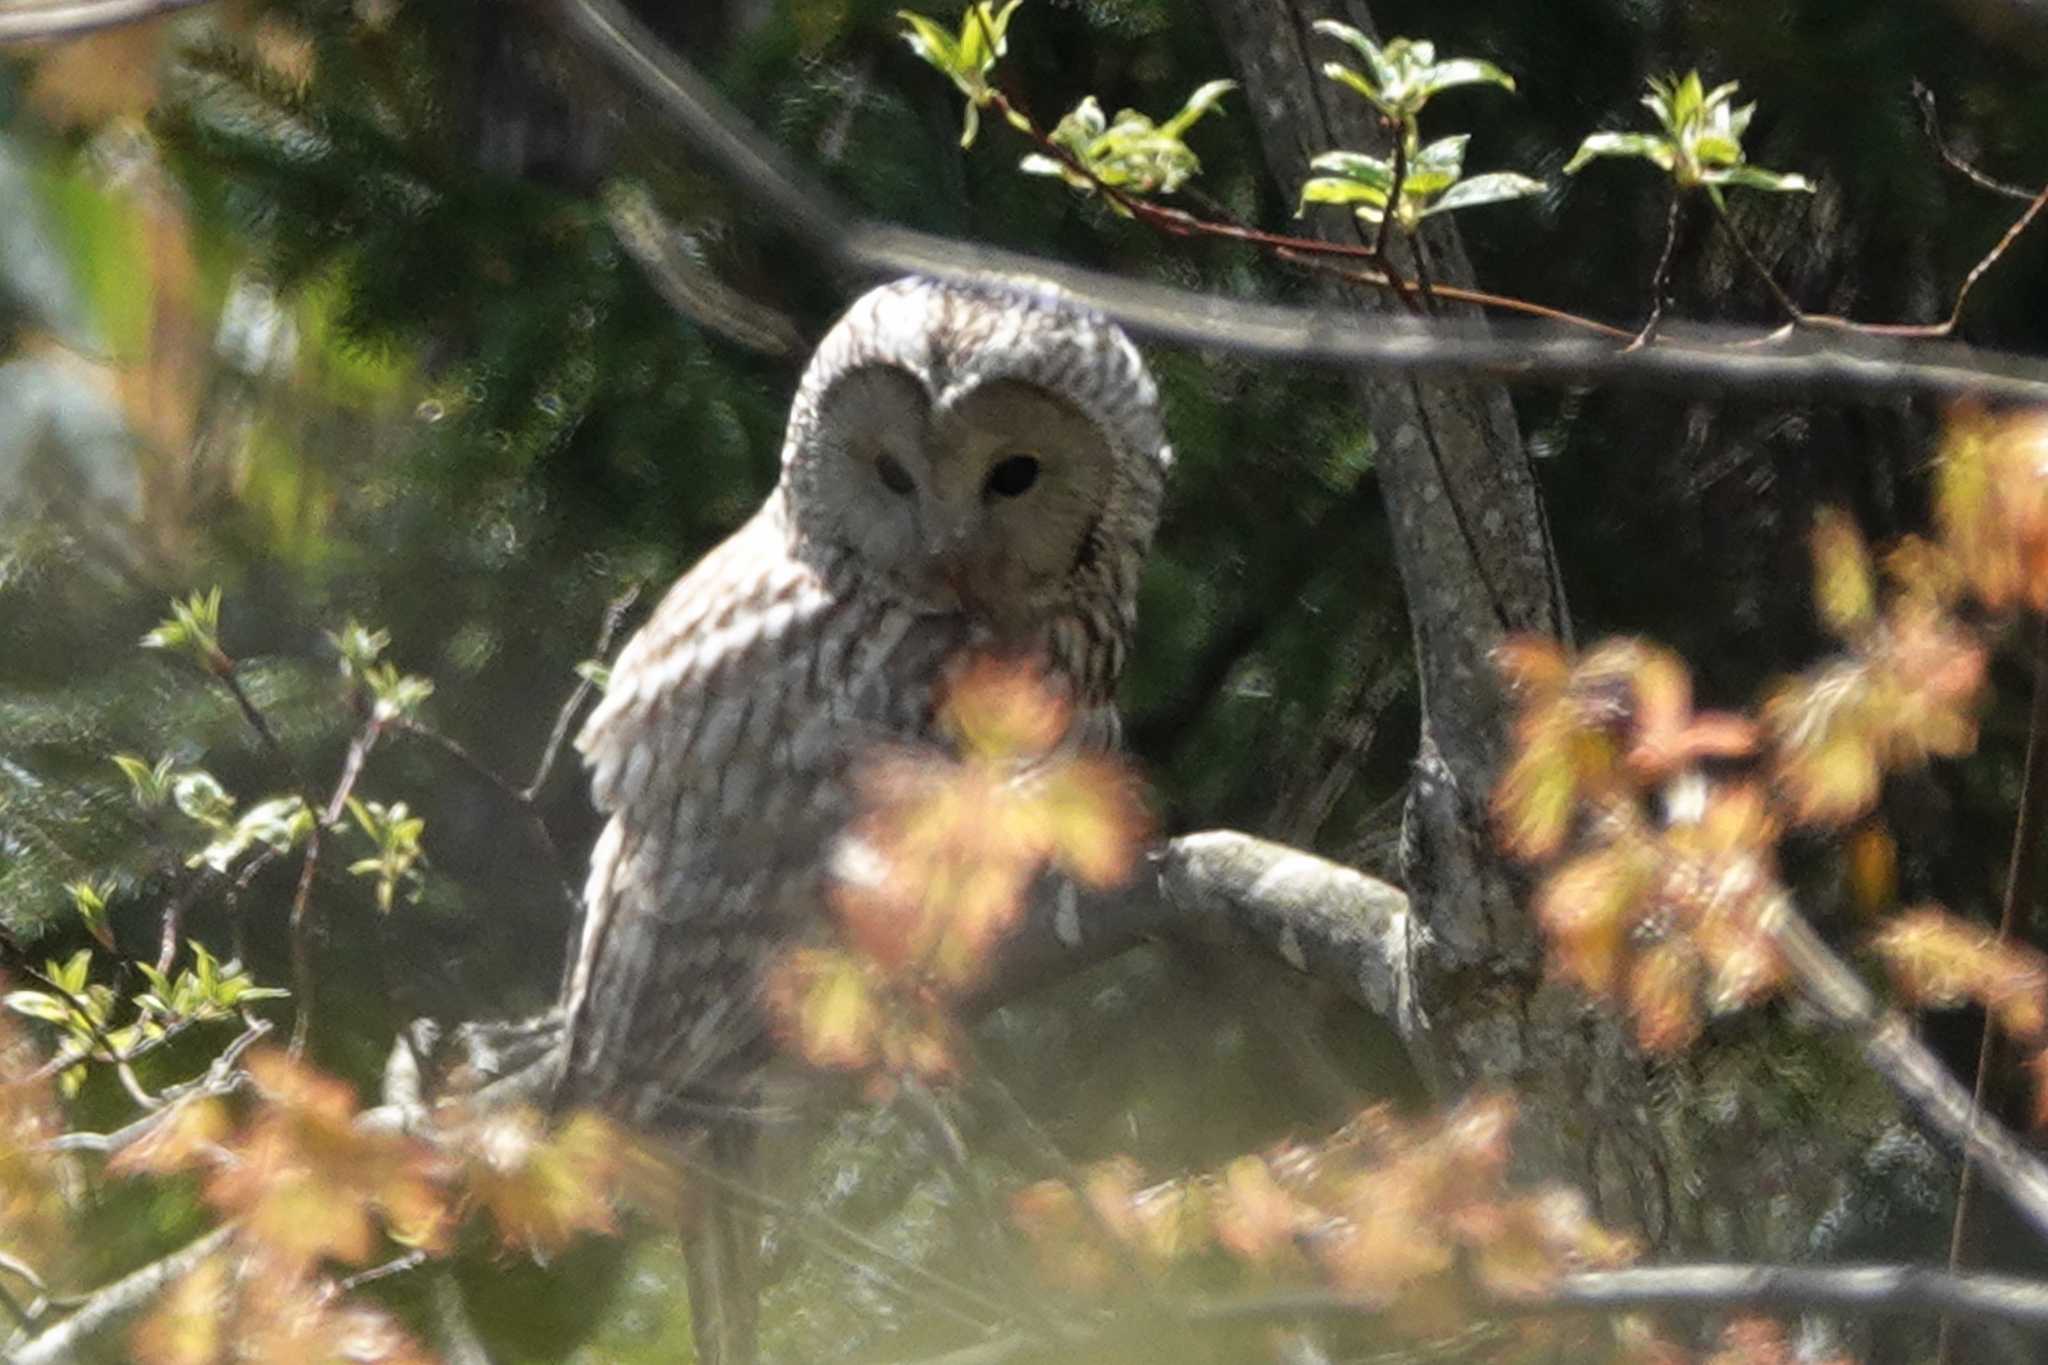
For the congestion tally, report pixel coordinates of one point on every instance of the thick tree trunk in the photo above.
(1476, 564)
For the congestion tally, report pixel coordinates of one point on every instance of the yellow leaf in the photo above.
(1662, 983)
(185, 1326)
(1844, 591)
(1538, 795)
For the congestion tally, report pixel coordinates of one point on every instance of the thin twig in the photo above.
(174, 917)
(301, 918)
(542, 839)
(397, 1265)
(1932, 124)
(1793, 312)
(223, 1076)
(866, 1256)
(1661, 277)
(109, 1053)
(2026, 837)
(614, 611)
(762, 173)
(1991, 257)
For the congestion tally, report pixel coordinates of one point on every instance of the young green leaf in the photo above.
(965, 59)
(193, 630)
(90, 900)
(151, 782)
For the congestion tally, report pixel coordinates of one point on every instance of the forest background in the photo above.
(336, 307)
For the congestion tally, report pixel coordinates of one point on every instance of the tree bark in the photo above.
(1476, 565)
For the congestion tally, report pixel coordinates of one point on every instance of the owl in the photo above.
(966, 469)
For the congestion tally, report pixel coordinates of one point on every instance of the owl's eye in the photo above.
(894, 476)
(1013, 477)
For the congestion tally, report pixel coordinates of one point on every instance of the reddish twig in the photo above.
(1932, 124)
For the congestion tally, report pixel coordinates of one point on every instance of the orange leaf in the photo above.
(1662, 984)
(185, 1326)
(544, 1189)
(1256, 1220)
(1534, 667)
(1873, 867)
(824, 1005)
(180, 1140)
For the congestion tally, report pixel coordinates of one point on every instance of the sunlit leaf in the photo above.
(186, 1327)
(1491, 188)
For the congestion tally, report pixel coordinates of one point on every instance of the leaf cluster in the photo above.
(939, 866)
(1417, 1217)
(1699, 142)
(1656, 829)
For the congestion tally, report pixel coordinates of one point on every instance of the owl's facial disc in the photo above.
(1016, 480)
(979, 501)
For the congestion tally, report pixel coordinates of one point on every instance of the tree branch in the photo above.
(1850, 364)
(111, 1302)
(1220, 887)
(1883, 1289)
(23, 23)
(1872, 1289)
(1911, 1069)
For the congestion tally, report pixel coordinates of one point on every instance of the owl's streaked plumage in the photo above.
(964, 468)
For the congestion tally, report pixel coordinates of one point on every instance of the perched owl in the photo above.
(964, 469)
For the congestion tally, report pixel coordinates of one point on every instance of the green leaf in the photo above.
(193, 630)
(38, 1005)
(1383, 74)
(595, 672)
(1465, 71)
(1716, 149)
(150, 782)
(1367, 170)
(1334, 190)
(1344, 75)
(90, 900)
(201, 797)
(280, 823)
(1647, 146)
(930, 42)
(1435, 168)
(358, 645)
(1756, 178)
(1205, 98)
(72, 973)
(398, 696)
(1491, 188)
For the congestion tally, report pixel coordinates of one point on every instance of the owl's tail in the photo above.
(722, 1249)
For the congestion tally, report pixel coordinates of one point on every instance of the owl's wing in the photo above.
(719, 753)
(692, 747)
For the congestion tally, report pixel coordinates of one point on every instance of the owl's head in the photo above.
(973, 449)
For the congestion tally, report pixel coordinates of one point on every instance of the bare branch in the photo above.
(1715, 1288)
(1321, 918)
(24, 23)
(1905, 1062)
(1848, 362)
(112, 1302)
